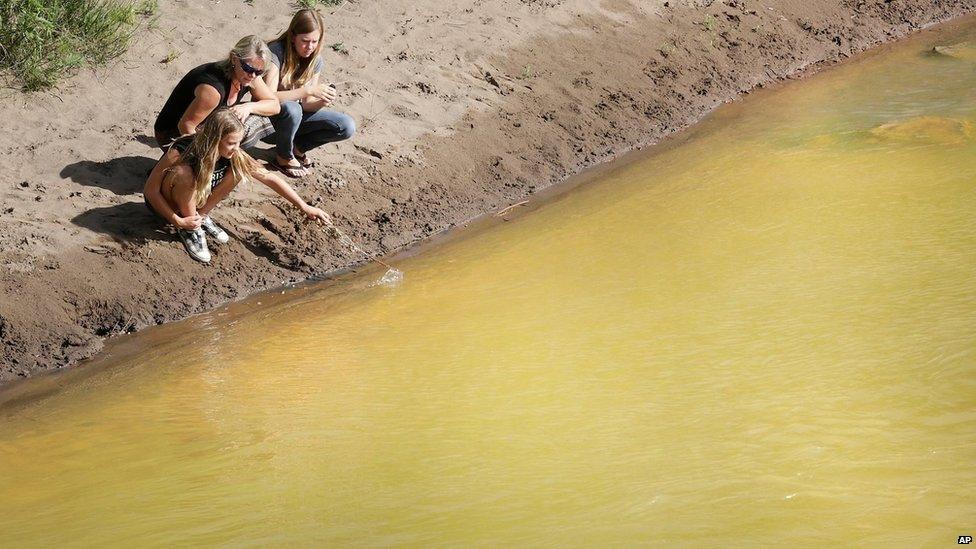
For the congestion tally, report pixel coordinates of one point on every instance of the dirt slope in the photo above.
(463, 108)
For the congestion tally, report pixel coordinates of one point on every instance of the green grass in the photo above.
(147, 8)
(171, 56)
(308, 4)
(43, 41)
(709, 23)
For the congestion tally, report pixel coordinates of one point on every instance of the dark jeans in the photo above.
(307, 130)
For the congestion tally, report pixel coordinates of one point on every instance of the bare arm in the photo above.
(273, 77)
(313, 95)
(183, 190)
(278, 185)
(265, 101)
(320, 96)
(153, 192)
(205, 101)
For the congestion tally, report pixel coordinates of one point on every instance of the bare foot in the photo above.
(290, 167)
(302, 159)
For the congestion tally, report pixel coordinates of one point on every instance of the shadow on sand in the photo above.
(146, 140)
(130, 222)
(122, 176)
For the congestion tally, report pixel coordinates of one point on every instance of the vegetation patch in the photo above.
(43, 41)
(307, 4)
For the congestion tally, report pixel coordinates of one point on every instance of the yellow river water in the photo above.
(764, 332)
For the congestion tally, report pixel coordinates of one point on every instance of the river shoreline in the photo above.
(463, 128)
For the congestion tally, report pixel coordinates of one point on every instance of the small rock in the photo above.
(492, 80)
(73, 340)
(370, 151)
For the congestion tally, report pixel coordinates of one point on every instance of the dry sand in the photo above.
(463, 108)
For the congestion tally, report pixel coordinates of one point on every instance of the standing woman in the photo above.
(296, 74)
(222, 83)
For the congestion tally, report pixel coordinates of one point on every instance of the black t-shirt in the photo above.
(184, 94)
(220, 167)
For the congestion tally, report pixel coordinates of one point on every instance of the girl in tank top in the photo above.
(195, 175)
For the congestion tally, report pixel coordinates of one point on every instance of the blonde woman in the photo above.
(295, 73)
(221, 84)
(197, 173)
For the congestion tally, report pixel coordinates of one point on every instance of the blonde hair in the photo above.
(247, 47)
(204, 151)
(295, 71)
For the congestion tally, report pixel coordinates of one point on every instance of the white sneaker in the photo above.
(213, 230)
(195, 243)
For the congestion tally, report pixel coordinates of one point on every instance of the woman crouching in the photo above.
(199, 171)
(295, 73)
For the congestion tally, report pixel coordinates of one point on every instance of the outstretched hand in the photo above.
(317, 214)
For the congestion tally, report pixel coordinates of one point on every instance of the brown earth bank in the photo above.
(463, 108)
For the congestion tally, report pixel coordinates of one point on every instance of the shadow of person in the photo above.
(261, 151)
(122, 176)
(147, 140)
(130, 222)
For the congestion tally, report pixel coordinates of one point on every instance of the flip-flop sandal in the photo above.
(294, 172)
(304, 161)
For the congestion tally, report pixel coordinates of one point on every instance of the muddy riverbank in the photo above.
(462, 110)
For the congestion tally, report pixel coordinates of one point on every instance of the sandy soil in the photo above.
(463, 108)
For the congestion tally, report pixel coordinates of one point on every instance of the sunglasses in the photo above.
(249, 69)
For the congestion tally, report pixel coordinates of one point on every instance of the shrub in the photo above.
(42, 41)
(305, 4)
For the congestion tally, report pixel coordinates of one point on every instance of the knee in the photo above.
(346, 127)
(290, 110)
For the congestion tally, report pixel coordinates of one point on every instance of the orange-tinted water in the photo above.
(764, 334)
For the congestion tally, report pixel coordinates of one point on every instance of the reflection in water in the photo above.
(964, 51)
(763, 335)
(929, 130)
